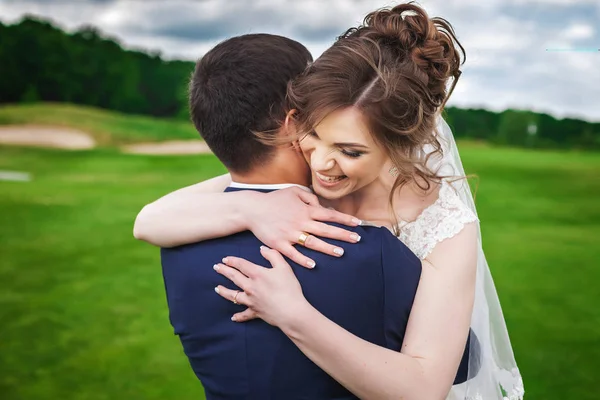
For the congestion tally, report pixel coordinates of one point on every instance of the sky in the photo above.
(540, 55)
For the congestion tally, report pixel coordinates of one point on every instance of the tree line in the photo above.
(523, 128)
(42, 62)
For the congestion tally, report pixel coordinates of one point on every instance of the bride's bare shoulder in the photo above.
(456, 254)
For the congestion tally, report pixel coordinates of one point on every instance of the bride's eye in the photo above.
(351, 154)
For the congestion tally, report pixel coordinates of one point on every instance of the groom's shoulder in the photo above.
(381, 239)
(397, 260)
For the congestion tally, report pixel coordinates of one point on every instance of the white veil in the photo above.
(493, 372)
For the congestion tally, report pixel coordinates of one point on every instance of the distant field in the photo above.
(82, 305)
(108, 127)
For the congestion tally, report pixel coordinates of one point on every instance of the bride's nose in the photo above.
(322, 160)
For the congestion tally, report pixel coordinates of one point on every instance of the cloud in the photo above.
(579, 31)
(508, 64)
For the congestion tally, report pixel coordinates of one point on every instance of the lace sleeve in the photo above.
(442, 220)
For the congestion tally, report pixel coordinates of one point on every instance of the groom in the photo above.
(239, 88)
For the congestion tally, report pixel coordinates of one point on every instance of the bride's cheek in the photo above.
(357, 168)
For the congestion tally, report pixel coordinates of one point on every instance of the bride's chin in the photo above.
(328, 194)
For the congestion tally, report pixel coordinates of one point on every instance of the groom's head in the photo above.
(238, 89)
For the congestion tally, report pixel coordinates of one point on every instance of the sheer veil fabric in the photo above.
(493, 371)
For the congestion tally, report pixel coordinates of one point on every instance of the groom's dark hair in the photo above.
(239, 88)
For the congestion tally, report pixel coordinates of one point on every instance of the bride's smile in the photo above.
(342, 154)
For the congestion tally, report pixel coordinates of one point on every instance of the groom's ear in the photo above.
(289, 128)
(288, 125)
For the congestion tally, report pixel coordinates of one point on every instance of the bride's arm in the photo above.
(434, 341)
(180, 217)
(202, 211)
(435, 337)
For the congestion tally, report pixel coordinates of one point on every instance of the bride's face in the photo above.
(342, 154)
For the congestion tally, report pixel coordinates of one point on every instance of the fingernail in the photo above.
(224, 260)
(216, 267)
(311, 264)
(355, 237)
(339, 251)
(234, 318)
(217, 289)
(356, 221)
(263, 248)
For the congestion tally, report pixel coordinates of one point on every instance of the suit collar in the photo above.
(269, 187)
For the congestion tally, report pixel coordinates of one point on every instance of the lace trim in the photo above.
(441, 220)
(517, 392)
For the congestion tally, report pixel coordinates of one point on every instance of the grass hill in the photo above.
(109, 128)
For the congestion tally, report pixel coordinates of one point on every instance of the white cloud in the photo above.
(579, 31)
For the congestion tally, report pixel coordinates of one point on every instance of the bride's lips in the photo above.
(329, 180)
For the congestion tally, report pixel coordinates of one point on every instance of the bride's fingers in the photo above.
(244, 266)
(328, 215)
(308, 198)
(234, 296)
(233, 275)
(293, 254)
(333, 232)
(274, 257)
(314, 243)
(244, 316)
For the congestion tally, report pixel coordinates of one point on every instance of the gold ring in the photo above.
(235, 297)
(302, 239)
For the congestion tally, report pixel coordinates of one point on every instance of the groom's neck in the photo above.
(267, 176)
(285, 166)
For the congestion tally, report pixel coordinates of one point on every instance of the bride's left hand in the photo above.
(271, 294)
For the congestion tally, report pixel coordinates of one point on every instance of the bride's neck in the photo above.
(370, 203)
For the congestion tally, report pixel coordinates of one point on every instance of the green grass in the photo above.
(108, 127)
(82, 304)
(540, 221)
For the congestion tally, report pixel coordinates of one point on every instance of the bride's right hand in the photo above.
(279, 218)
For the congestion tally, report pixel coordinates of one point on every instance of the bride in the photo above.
(368, 118)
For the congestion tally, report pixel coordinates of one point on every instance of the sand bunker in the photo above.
(15, 176)
(168, 148)
(71, 139)
(43, 136)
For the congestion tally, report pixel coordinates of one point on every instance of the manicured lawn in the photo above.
(82, 305)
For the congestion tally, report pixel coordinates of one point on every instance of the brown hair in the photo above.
(394, 68)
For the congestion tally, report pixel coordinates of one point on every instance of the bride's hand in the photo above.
(279, 218)
(272, 294)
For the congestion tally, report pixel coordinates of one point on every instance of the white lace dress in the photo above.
(442, 220)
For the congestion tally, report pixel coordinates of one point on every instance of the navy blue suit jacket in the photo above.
(369, 292)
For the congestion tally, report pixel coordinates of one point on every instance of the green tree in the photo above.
(518, 127)
(31, 95)
(88, 68)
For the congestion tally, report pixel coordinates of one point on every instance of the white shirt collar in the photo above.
(266, 187)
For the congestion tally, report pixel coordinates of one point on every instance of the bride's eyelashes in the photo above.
(347, 153)
(351, 154)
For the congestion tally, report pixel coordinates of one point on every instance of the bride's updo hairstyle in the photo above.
(394, 68)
